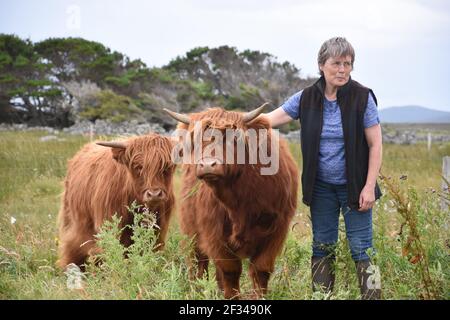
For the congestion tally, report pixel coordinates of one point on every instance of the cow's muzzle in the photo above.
(209, 169)
(155, 195)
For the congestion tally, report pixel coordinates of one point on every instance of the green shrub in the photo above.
(111, 106)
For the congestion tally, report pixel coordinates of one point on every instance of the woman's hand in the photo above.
(366, 198)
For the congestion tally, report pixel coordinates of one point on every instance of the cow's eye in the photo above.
(167, 171)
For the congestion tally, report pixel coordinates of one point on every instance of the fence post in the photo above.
(91, 132)
(429, 142)
(445, 187)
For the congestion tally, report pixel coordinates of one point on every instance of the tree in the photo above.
(236, 79)
(54, 81)
(111, 106)
(27, 92)
(80, 60)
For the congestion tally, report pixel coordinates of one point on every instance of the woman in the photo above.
(341, 149)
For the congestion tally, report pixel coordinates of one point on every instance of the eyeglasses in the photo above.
(338, 64)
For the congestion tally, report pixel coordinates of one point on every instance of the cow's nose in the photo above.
(208, 167)
(154, 194)
(207, 164)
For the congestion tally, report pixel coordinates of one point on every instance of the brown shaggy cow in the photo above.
(103, 181)
(231, 211)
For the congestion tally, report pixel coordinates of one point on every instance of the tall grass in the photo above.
(31, 183)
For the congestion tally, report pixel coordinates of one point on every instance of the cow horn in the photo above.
(113, 144)
(178, 116)
(249, 116)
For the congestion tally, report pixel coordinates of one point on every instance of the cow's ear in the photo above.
(176, 143)
(117, 148)
(119, 155)
(182, 126)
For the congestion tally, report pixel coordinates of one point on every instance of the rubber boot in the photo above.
(369, 280)
(322, 274)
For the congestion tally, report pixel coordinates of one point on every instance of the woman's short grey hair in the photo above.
(335, 47)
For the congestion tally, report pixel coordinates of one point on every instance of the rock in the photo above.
(48, 138)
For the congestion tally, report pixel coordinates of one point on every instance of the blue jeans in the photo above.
(327, 202)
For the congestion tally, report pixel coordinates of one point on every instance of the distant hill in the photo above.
(413, 114)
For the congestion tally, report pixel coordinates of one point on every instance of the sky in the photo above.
(402, 46)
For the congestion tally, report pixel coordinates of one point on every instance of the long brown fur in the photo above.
(247, 215)
(102, 181)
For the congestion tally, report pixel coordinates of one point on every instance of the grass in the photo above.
(31, 177)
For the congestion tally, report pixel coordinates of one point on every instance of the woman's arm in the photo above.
(374, 140)
(278, 117)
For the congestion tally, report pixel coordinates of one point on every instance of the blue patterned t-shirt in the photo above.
(331, 166)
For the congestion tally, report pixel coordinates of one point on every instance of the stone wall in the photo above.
(101, 127)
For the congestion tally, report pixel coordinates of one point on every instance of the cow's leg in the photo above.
(160, 239)
(230, 272)
(125, 238)
(196, 261)
(161, 231)
(219, 278)
(191, 262)
(76, 244)
(260, 272)
(263, 264)
(202, 263)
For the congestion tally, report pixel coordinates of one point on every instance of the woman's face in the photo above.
(337, 70)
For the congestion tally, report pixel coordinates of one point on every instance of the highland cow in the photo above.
(101, 182)
(231, 210)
